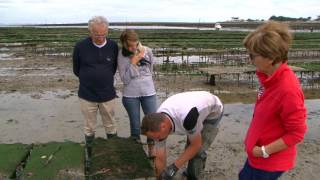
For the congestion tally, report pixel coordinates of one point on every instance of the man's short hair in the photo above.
(151, 122)
(97, 20)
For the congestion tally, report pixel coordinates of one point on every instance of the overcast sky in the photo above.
(75, 11)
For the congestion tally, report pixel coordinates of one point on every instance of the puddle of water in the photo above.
(58, 54)
(46, 74)
(20, 69)
(211, 59)
(179, 60)
(12, 71)
(11, 44)
(7, 56)
(4, 49)
(6, 72)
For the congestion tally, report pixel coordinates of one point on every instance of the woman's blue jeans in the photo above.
(132, 105)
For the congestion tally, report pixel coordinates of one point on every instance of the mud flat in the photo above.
(55, 116)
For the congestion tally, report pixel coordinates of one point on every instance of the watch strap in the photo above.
(264, 153)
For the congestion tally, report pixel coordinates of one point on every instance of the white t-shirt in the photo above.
(178, 107)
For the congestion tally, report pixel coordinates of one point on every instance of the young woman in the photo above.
(135, 65)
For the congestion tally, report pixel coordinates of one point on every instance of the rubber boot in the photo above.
(88, 152)
(110, 136)
(89, 141)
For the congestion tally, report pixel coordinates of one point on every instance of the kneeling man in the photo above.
(195, 114)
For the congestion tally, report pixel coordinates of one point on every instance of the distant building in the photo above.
(235, 19)
(217, 26)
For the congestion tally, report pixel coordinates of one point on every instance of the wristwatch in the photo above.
(264, 153)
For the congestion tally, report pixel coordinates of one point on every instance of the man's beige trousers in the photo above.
(89, 110)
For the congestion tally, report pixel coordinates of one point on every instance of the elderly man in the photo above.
(195, 114)
(95, 63)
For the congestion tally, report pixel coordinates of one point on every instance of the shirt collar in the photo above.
(171, 121)
(100, 46)
(266, 81)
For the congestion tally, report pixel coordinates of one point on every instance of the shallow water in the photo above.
(161, 27)
(7, 56)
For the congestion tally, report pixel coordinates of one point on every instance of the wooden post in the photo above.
(238, 74)
(251, 74)
(312, 80)
(212, 80)
(182, 61)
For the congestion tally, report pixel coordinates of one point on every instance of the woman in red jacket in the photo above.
(279, 118)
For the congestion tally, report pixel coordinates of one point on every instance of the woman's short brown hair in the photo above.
(270, 40)
(128, 35)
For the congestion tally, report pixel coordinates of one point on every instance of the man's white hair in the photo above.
(97, 20)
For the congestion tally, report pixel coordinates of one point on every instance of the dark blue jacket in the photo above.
(95, 67)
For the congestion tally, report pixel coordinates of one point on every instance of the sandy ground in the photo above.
(55, 116)
(38, 103)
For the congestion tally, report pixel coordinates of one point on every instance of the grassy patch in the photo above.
(10, 157)
(65, 157)
(121, 158)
